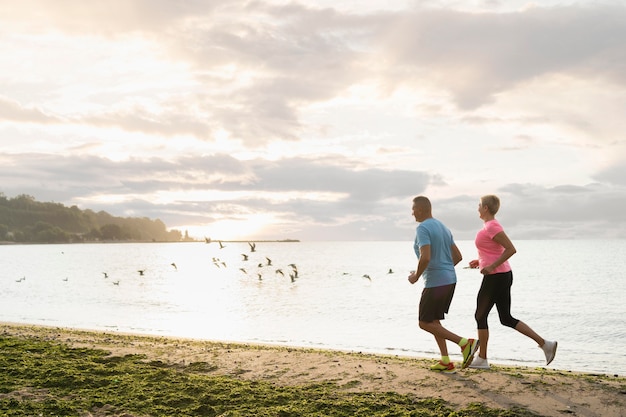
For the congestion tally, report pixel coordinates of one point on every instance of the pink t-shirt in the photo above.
(488, 249)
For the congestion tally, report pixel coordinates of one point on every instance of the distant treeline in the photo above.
(24, 220)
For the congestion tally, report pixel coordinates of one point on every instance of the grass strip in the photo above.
(47, 378)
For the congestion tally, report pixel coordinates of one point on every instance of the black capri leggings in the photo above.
(495, 289)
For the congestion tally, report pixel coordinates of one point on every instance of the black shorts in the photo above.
(435, 302)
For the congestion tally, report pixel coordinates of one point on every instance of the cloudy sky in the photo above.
(319, 119)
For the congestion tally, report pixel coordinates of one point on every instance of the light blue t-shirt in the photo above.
(440, 270)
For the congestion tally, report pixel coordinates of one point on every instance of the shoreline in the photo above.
(539, 390)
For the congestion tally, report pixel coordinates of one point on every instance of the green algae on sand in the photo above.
(48, 378)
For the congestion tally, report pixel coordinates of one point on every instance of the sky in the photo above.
(319, 119)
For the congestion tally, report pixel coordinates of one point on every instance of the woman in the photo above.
(494, 250)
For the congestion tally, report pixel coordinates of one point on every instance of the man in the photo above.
(437, 255)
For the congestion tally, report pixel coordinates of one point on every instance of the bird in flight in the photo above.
(252, 246)
(295, 269)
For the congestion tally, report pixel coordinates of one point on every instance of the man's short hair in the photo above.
(422, 201)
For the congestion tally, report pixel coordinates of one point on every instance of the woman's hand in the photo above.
(473, 264)
(487, 270)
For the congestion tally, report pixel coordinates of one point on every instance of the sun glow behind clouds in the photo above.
(243, 228)
(219, 215)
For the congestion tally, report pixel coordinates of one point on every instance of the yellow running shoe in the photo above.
(444, 368)
(468, 350)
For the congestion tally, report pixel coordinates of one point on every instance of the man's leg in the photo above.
(468, 346)
(441, 334)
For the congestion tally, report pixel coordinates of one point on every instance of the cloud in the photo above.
(234, 108)
(254, 65)
(105, 17)
(210, 172)
(12, 111)
(137, 119)
(566, 211)
(615, 174)
(79, 173)
(363, 204)
(257, 66)
(475, 56)
(531, 211)
(284, 187)
(364, 185)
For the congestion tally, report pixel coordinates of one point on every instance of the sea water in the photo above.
(351, 296)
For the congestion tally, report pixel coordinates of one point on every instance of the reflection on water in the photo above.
(565, 290)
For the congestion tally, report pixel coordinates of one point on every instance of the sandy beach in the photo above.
(540, 390)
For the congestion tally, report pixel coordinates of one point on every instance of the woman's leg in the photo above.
(503, 304)
(524, 329)
(484, 304)
(483, 340)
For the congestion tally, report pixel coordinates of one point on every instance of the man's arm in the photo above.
(456, 254)
(422, 264)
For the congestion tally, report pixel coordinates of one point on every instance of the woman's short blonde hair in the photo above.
(492, 202)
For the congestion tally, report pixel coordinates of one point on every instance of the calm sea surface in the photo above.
(570, 291)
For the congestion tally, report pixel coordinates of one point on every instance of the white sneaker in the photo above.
(549, 348)
(479, 363)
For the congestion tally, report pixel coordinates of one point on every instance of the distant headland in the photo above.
(26, 220)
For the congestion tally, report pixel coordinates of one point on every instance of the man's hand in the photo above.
(412, 277)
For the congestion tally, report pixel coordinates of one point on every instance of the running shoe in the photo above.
(443, 368)
(480, 363)
(468, 352)
(549, 349)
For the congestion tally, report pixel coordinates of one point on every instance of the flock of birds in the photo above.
(249, 265)
(292, 272)
(260, 267)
